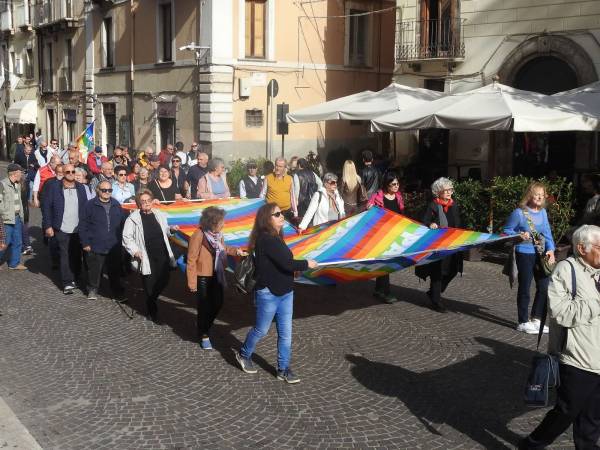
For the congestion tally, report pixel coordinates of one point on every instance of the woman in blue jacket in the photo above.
(530, 220)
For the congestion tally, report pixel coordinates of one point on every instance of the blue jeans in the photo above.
(14, 242)
(525, 265)
(267, 307)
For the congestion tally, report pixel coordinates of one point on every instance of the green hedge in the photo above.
(484, 205)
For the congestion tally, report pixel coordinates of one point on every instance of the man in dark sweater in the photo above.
(369, 175)
(195, 173)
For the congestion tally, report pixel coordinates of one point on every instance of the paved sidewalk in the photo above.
(12, 432)
(80, 375)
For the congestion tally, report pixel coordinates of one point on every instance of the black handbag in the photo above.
(542, 267)
(244, 275)
(544, 373)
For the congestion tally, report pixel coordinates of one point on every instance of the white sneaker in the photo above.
(537, 323)
(527, 327)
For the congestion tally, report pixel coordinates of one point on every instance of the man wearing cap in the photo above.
(251, 185)
(107, 173)
(153, 167)
(11, 214)
(95, 160)
(195, 173)
(62, 207)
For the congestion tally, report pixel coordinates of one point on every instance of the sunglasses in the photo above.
(395, 183)
(121, 174)
(176, 160)
(332, 182)
(68, 172)
(106, 190)
(277, 214)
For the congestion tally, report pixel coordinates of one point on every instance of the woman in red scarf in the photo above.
(442, 212)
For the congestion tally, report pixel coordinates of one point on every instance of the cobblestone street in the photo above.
(80, 374)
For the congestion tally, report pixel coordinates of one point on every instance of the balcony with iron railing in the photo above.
(47, 80)
(52, 13)
(422, 40)
(22, 15)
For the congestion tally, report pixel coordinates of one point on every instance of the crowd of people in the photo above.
(88, 232)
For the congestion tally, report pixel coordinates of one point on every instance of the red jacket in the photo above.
(377, 200)
(93, 165)
(165, 158)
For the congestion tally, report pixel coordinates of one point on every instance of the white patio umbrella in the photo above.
(492, 107)
(583, 100)
(365, 105)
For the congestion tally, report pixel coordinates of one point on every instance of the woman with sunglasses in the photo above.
(146, 238)
(442, 212)
(390, 198)
(274, 295)
(178, 174)
(326, 205)
(123, 191)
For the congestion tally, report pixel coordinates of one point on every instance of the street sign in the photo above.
(273, 89)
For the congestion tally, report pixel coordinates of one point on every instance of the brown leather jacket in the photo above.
(201, 258)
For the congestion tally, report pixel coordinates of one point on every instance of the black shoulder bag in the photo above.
(244, 278)
(544, 374)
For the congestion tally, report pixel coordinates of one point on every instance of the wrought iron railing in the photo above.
(429, 39)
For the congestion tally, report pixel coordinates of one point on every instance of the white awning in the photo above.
(24, 111)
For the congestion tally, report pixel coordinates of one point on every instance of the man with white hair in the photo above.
(278, 188)
(575, 338)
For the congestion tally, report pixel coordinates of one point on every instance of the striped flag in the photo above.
(85, 141)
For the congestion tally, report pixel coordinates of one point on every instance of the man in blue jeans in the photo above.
(11, 214)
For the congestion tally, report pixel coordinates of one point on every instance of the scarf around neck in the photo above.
(216, 242)
(446, 204)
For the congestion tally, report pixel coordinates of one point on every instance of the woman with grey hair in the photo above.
(326, 205)
(442, 212)
(81, 177)
(214, 183)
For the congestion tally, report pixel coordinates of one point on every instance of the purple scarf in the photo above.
(216, 242)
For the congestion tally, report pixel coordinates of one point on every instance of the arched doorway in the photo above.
(539, 154)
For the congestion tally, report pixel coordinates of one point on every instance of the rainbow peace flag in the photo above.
(85, 141)
(373, 243)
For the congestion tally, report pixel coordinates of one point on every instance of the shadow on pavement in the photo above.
(484, 389)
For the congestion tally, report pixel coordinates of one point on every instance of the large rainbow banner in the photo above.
(373, 243)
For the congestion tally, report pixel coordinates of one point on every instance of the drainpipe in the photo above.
(132, 77)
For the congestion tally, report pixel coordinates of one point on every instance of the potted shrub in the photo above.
(473, 203)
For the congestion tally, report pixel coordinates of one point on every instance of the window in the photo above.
(5, 63)
(13, 62)
(110, 124)
(255, 28)
(254, 118)
(47, 70)
(107, 43)
(358, 37)
(166, 113)
(70, 117)
(29, 64)
(67, 71)
(165, 32)
(68, 8)
(3, 6)
(51, 124)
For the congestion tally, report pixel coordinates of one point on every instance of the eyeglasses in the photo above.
(68, 172)
(277, 214)
(106, 190)
(448, 190)
(122, 175)
(176, 160)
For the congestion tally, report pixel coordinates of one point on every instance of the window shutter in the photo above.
(259, 29)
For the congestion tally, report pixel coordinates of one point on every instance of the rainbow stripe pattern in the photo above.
(373, 243)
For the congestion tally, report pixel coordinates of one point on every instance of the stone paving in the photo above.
(80, 375)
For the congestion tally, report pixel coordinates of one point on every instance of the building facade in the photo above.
(541, 45)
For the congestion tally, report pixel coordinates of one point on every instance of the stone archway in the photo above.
(529, 53)
(558, 47)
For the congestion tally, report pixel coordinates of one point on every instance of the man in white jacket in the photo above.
(575, 337)
(326, 204)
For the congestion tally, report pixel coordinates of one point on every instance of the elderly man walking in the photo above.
(62, 207)
(107, 173)
(575, 338)
(11, 214)
(100, 231)
(278, 188)
(194, 174)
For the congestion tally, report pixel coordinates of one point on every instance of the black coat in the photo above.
(450, 265)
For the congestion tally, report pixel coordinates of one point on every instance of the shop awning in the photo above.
(24, 111)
